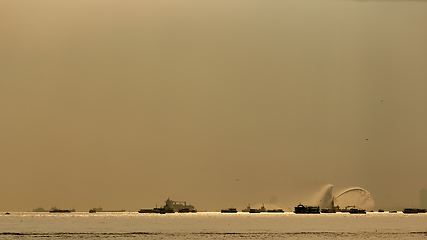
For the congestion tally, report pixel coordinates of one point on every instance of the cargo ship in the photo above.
(171, 207)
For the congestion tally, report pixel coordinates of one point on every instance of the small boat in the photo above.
(347, 209)
(158, 210)
(100, 209)
(327, 210)
(247, 209)
(57, 210)
(229, 210)
(414, 210)
(392, 211)
(357, 211)
(380, 210)
(40, 209)
(253, 210)
(8, 213)
(275, 210)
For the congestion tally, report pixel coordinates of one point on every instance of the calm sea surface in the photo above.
(212, 226)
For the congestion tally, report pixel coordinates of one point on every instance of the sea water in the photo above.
(210, 225)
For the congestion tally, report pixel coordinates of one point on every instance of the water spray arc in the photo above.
(353, 189)
(362, 198)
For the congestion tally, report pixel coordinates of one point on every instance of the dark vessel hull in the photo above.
(163, 210)
(95, 210)
(302, 209)
(327, 210)
(357, 211)
(230, 210)
(413, 210)
(157, 210)
(187, 210)
(275, 211)
(59, 211)
(252, 210)
(146, 211)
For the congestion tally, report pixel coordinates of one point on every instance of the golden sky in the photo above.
(122, 104)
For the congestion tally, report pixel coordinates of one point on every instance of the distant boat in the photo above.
(357, 211)
(229, 210)
(303, 209)
(100, 209)
(7, 213)
(260, 210)
(275, 210)
(414, 210)
(40, 209)
(347, 209)
(157, 210)
(171, 207)
(253, 210)
(327, 210)
(410, 210)
(57, 210)
(247, 209)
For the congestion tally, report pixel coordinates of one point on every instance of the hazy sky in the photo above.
(122, 104)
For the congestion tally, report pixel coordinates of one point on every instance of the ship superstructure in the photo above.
(172, 207)
(177, 206)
